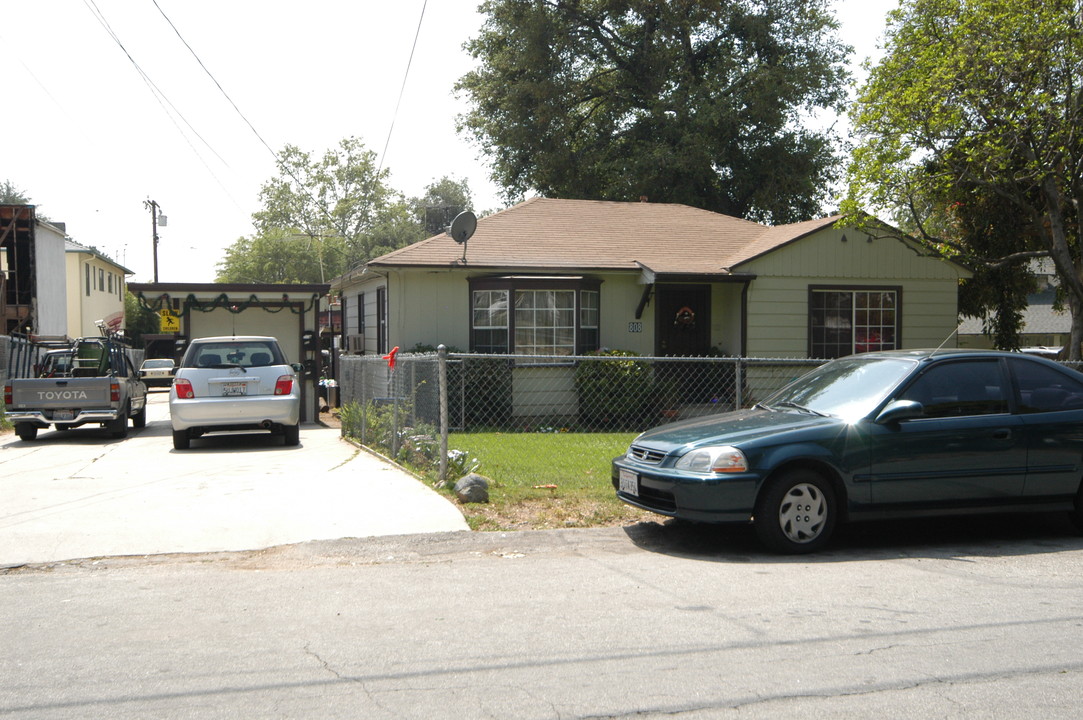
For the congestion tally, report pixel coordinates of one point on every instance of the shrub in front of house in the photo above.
(614, 393)
(484, 399)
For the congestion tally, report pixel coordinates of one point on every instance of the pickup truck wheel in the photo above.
(26, 431)
(181, 440)
(140, 418)
(119, 428)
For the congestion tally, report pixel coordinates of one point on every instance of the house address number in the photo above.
(635, 327)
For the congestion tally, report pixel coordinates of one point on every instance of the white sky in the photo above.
(88, 141)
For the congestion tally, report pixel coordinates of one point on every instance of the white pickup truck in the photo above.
(93, 381)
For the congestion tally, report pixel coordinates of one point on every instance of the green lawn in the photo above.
(517, 463)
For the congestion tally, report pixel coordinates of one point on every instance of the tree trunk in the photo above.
(1068, 271)
(1076, 338)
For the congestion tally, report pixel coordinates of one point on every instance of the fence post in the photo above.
(395, 430)
(739, 375)
(364, 404)
(441, 362)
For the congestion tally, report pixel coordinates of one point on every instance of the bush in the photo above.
(479, 392)
(417, 447)
(614, 394)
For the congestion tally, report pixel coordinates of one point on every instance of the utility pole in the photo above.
(155, 218)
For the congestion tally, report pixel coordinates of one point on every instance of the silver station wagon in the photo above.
(235, 383)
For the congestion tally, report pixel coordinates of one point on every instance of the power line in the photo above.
(155, 90)
(216, 83)
(282, 166)
(160, 97)
(402, 89)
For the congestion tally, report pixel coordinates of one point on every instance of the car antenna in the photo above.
(941, 345)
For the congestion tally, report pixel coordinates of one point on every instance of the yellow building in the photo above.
(95, 286)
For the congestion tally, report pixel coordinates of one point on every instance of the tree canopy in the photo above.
(10, 194)
(702, 102)
(969, 130)
(323, 216)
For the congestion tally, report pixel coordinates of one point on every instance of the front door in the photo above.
(682, 320)
(683, 329)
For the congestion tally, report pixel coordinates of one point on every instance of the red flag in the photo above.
(390, 357)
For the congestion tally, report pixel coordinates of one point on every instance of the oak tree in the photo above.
(704, 102)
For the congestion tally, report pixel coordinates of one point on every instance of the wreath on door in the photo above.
(686, 318)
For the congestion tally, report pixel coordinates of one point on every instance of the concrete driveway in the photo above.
(81, 494)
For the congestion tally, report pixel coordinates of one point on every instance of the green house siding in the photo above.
(778, 302)
(430, 308)
(826, 255)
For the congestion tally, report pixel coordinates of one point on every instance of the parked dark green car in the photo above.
(875, 435)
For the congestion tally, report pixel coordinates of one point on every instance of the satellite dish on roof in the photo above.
(463, 226)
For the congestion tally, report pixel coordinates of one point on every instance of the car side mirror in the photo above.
(898, 410)
(297, 368)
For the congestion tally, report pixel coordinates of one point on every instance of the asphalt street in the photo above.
(980, 620)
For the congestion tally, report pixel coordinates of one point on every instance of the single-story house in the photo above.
(565, 277)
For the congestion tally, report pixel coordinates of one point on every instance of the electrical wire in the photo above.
(216, 83)
(161, 97)
(278, 162)
(402, 90)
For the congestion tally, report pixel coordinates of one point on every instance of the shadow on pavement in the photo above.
(945, 537)
(95, 435)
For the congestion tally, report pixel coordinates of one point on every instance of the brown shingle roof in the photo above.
(585, 235)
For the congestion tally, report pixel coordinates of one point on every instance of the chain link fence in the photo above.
(427, 403)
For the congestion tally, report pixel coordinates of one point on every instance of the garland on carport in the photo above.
(164, 302)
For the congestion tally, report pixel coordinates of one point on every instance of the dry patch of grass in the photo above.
(549, 513)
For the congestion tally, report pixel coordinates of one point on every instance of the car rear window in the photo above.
(242, 353)
(157, 363)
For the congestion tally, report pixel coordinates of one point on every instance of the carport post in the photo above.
(441, 381)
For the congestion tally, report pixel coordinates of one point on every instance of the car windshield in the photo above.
(158, 364)
(848, 388)
(241, 353)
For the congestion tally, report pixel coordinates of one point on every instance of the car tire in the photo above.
(796, 512)
(119, 428)
(181, 440)
(26, 431)
(291, 435)
(140, 418)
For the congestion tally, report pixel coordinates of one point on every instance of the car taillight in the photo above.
(7, 395)
(183, 389)
(284, 386)
(114, 392)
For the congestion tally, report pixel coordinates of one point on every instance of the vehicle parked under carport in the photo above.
(239, 383)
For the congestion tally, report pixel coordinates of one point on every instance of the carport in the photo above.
(290, 313)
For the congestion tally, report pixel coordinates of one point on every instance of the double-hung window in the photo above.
(843, 321)
(543, 316)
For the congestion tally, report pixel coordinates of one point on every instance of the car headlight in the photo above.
(722, 459)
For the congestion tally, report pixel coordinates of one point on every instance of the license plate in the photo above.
(629, 482)
(234, 388)
(63, 414)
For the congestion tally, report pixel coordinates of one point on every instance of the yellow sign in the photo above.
(168, 322)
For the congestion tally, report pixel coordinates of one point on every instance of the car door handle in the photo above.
(1002, 434)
